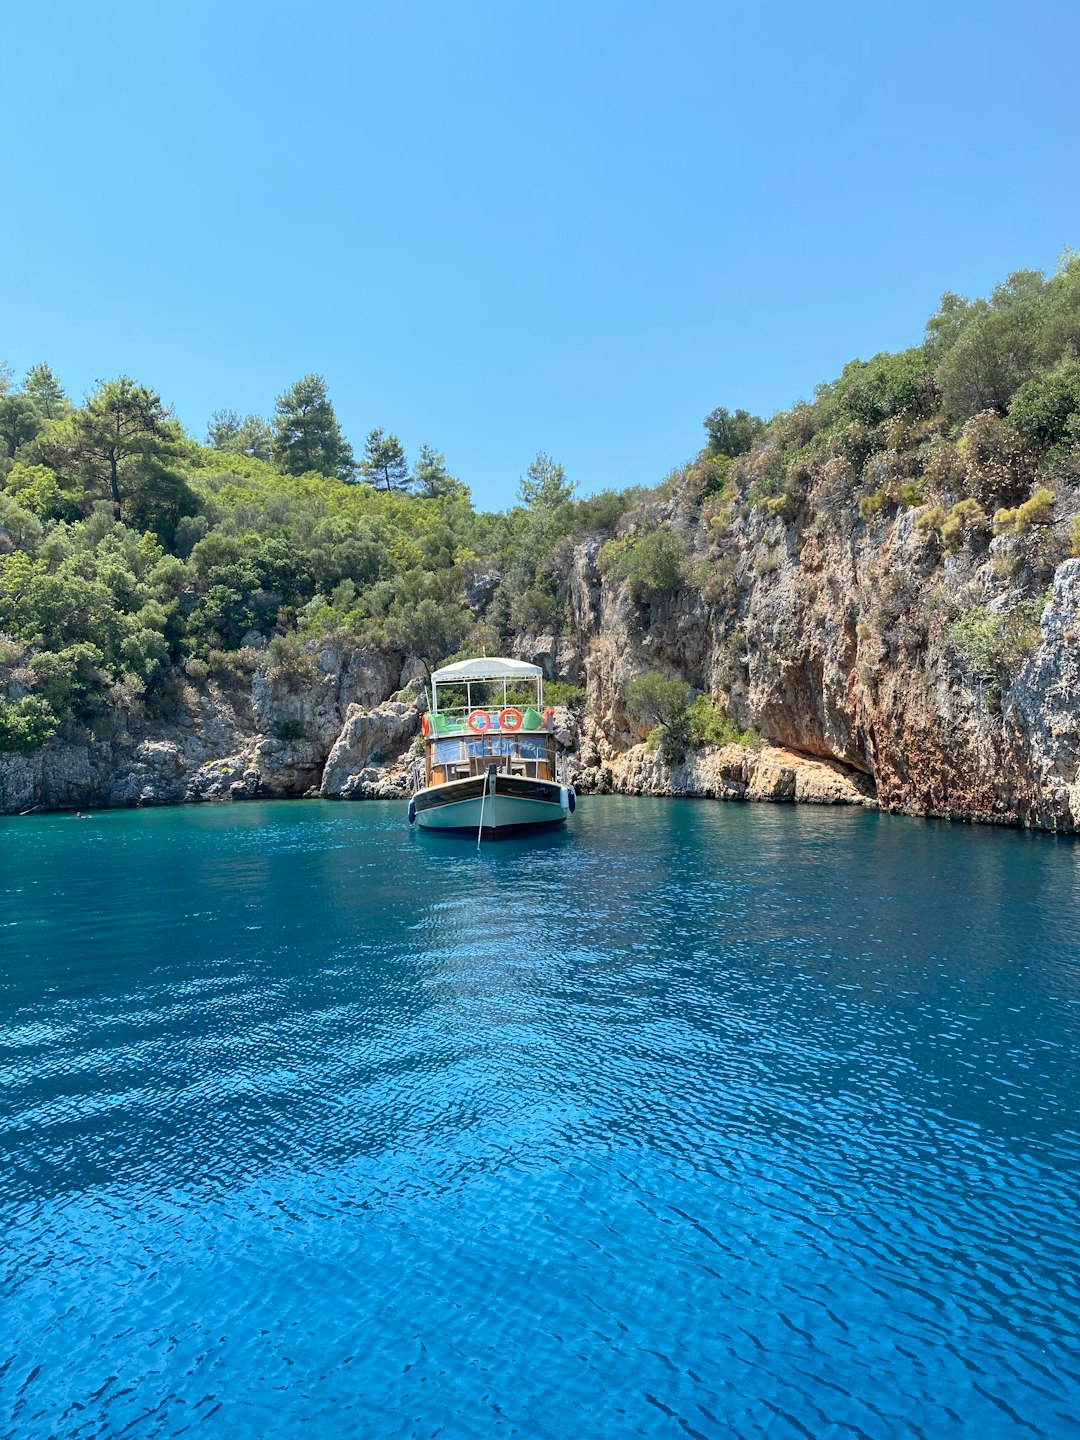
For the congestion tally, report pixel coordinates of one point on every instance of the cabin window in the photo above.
(495, 745)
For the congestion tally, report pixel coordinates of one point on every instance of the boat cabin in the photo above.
(488, 714)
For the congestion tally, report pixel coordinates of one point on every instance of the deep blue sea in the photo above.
(694, 1120)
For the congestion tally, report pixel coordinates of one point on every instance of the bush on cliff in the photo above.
(663, 702)
(26, 724)
(649, 564)
(710, 724)
(992, 646)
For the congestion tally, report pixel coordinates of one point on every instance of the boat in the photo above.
(490, 765)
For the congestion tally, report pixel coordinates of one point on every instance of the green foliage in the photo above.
(45, 390)
(872, 391)
(601, 513)
(38, 489)
(1037, 511)
(534, 610)
(544, 485)
(650, 564)
(730, 434)
(986, 350)
(966, 521)
(710, 724)
(307, 438)
(19, 527)
(121, 437)
(1046, 410)
(664, 703)
(20, 422)
(26, 724)
(249, 436)
(429, 629)
(430, 477)
(558, 692)
(69, 679)
(992, 646)
(384, 462)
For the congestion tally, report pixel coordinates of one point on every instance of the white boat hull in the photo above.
(510, 805)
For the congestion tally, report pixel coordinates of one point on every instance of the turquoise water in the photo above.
(694, 1120)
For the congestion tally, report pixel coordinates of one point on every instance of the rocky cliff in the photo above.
(325, 727)
(928, 679)
(879, 666)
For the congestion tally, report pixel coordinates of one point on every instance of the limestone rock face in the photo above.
(830, 635)
(729, 772)
(368, 739)
(266, 736)
(1043, 710)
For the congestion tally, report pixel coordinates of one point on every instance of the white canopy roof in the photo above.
(494, 668)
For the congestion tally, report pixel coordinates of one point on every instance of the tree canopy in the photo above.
(384, 462)
(307, 438)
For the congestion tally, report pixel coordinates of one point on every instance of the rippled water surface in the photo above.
(696, 1119)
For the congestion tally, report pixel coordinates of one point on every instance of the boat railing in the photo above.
(458, 717)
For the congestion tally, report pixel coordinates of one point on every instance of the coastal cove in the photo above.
(707, 1119)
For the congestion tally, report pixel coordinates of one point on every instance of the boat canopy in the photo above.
(494, 668)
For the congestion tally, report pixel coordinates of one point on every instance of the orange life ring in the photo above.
(511, 719)
(425, 725)
(479, 721)
(549, 715)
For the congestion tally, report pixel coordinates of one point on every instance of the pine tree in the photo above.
(118, 443)
(307, 436)
(384, 462)
(544, 485)
(223, 429)
(46, 392)
(430, 477)
(250, 436)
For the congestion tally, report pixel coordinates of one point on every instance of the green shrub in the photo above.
(965, 521)
(650, 564)
(931, 520)
(872, 391)
(710, 724)
(1039, 510)
(1042, 408)
(68, 678)
(665, 702)
(992, 646)
(731, 435)
(910, 494)
(534, 610)
(26, 724)
(290, 729)
(558, 692)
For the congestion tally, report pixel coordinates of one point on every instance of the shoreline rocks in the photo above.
(731, 772)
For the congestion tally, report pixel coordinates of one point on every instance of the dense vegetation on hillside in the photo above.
(135, 561)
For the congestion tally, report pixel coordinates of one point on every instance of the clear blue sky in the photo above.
(500, 226)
